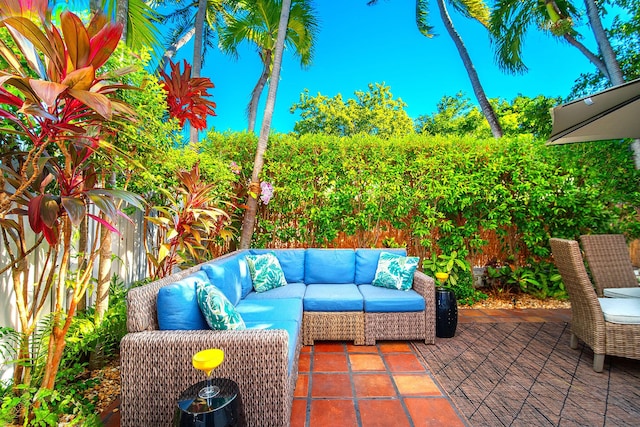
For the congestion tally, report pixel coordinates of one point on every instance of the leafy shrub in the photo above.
(540, 279)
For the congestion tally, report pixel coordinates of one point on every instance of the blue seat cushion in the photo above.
(329, 266)
(177, 304)
(291, 261)
(292, 290)
(270, 310)
(384, 300)
(292, 328)
(367, 263)
(225, 275)
(333, 297)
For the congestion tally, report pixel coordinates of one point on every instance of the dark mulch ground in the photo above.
(525, 374)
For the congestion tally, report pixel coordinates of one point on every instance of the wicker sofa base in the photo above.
(342, 325)
(397, 326)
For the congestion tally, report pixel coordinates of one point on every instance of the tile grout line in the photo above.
(356, 405)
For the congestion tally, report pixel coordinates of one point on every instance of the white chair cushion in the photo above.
(621, 310)
(621, 292)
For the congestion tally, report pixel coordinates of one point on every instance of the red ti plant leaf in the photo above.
(104, 223)
(51, 234)
(9, 98)
(75, 208)
(43, 212)
(98, 22)
(104, 43)
(186, 96)
(76, 38)
(47, 91)
(31, 9)
(96, 101)
(81, 79)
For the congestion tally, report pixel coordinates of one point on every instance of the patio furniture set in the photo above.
(325, 294)
(606, 317)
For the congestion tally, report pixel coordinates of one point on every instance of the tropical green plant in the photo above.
(59, 109)
(539, 279)
(257, 23)
(459, 280)
(459, 116)
(450, 264)
(375, 112)
(484, 198)
(187, 223)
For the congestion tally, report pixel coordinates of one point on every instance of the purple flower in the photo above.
(235, 168)
(266, 192)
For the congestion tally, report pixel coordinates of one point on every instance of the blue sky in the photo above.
(359, 44)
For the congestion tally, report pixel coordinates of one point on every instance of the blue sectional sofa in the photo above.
(328, 296)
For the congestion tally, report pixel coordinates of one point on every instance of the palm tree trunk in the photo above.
(122, 16)
(197, 52)
(257, 91)
(608, 55)
(487, 109)
(600, 65)
(249, 221)
(173, 49)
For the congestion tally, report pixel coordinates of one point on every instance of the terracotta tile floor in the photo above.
(381, 385)
(340, 384)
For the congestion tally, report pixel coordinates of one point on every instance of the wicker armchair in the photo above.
(608, 258)
(587, 317)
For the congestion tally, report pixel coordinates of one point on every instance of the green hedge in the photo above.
(493, 201)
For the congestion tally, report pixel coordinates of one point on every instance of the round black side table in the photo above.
(446, 313)
(223, 410)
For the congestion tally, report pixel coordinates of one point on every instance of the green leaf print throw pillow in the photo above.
(217, 309)
(266, 272)
(395, 271)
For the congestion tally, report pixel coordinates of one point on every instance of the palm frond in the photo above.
(142, 27)
(474, 9)
(9, 344)
(422, 18)
(508, 26)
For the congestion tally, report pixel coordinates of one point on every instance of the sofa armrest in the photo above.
(156, 368)
(426, 286)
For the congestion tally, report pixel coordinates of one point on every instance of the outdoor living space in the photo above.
(276, 213)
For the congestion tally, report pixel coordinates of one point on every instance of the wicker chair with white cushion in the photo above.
(610, 326)
(607, 256)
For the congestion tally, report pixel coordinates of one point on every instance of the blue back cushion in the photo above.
(291, 261)
(225, 275)
(329, 266)
(177, 305)
(367, 263)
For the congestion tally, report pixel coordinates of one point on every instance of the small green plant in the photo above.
(450, 264)
(539, 279)
(460, 279)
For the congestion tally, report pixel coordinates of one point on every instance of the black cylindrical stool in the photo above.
(446, 313)
(223, 410)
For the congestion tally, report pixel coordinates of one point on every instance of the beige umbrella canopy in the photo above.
(613, 113)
